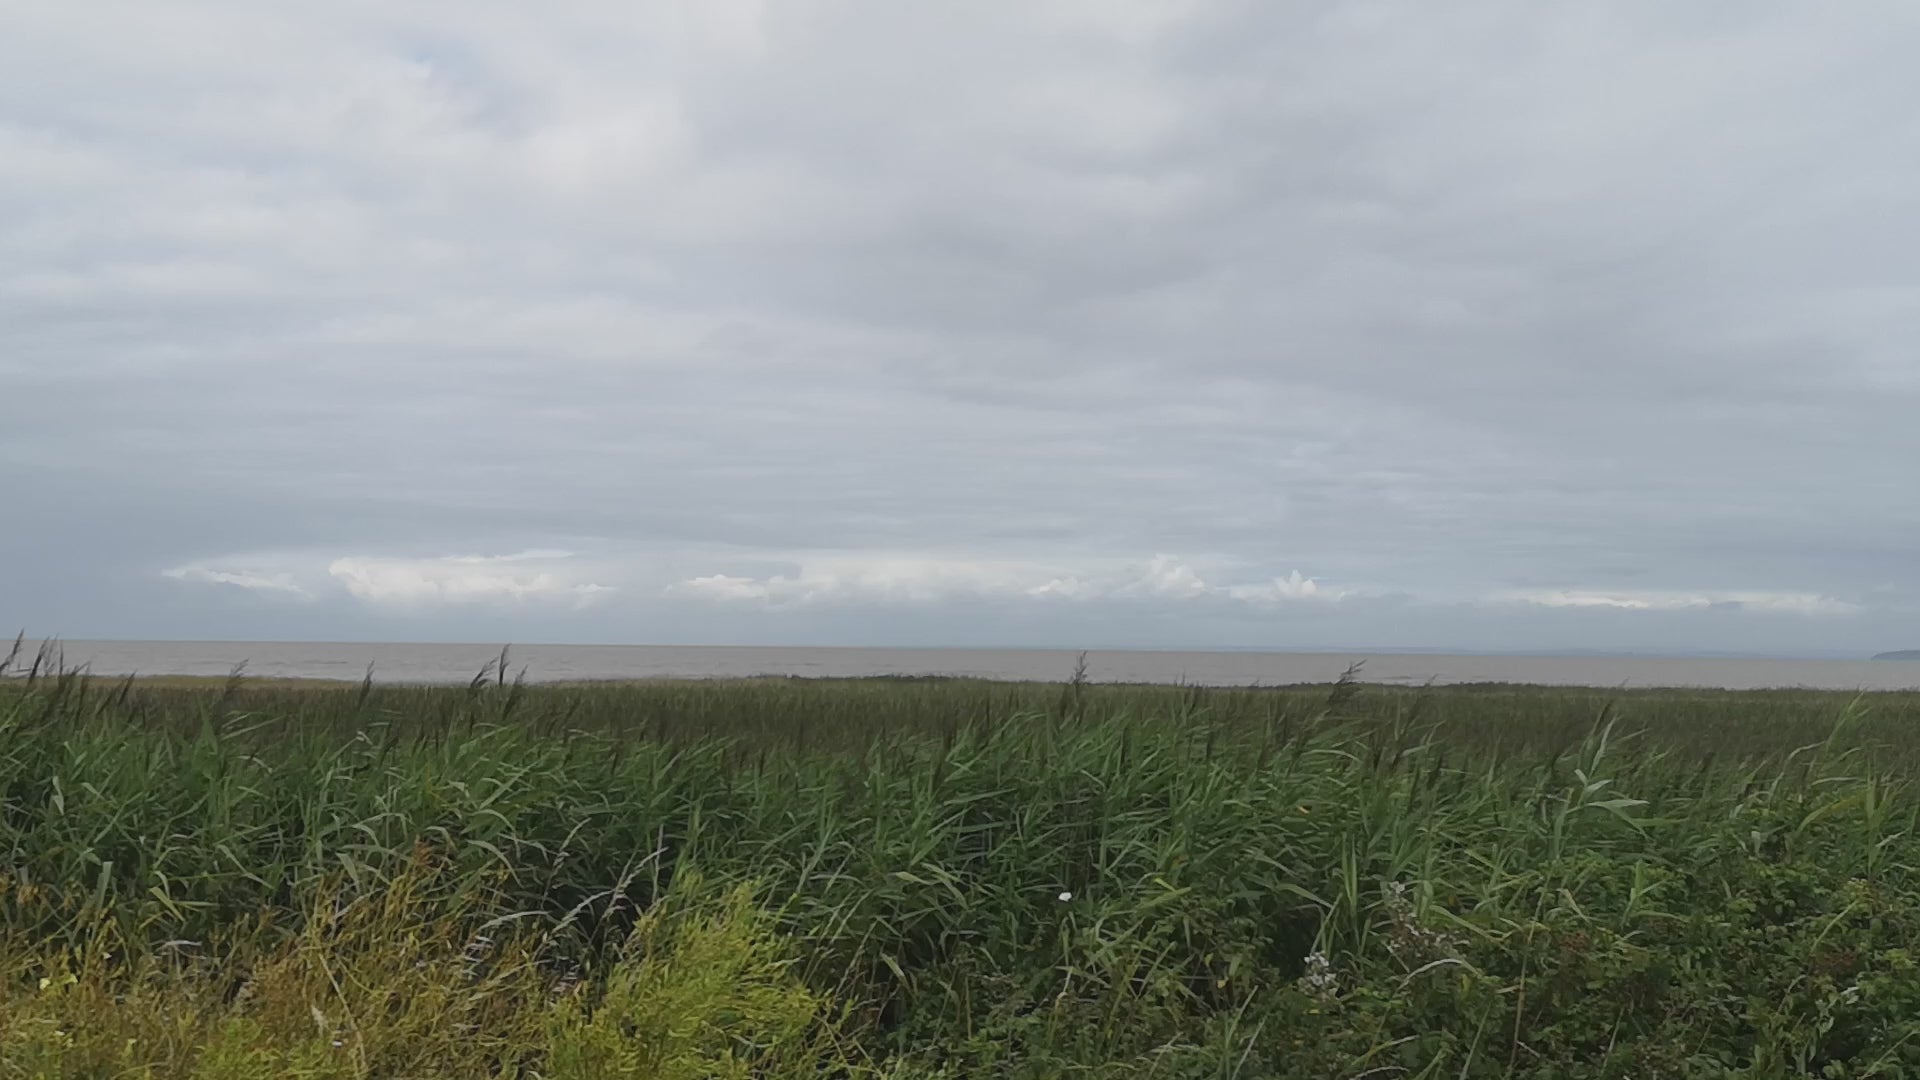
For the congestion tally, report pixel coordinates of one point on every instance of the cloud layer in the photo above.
(530, 575)
(1400, 323)
(239, 579)
(902, 580)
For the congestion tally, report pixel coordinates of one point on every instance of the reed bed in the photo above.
(920, 878)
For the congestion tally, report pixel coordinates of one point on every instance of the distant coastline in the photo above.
(1899, 654)
(348, 664)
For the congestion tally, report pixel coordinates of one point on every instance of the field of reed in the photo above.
(945, 878)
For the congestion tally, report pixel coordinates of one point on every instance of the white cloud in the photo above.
(244, 579)
(1798, 603)
(1168, 577)
(1279, 590)
(535, 575)
(936, 579)
(878, 579)
(525, 576)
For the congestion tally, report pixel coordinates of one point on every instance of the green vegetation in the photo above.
(923, 878)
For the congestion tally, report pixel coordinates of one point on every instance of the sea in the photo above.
(457, 663)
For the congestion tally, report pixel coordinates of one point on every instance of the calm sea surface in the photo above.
(458, 663)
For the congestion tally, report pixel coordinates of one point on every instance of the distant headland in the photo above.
(1900, 654)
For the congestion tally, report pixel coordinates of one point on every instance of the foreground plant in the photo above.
(408, 982)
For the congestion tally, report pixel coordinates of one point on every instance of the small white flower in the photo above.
(1066, 896)
(1319, 979)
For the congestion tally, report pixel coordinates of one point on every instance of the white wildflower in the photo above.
(1319, 979)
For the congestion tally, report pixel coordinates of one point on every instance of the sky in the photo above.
(1487, 325)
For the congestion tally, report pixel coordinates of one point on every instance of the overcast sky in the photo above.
(1489, 324)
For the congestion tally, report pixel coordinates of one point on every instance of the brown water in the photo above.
(457, 663)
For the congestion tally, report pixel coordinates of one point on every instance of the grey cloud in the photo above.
(1445, 303)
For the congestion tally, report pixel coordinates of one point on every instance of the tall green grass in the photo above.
(946, 877)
